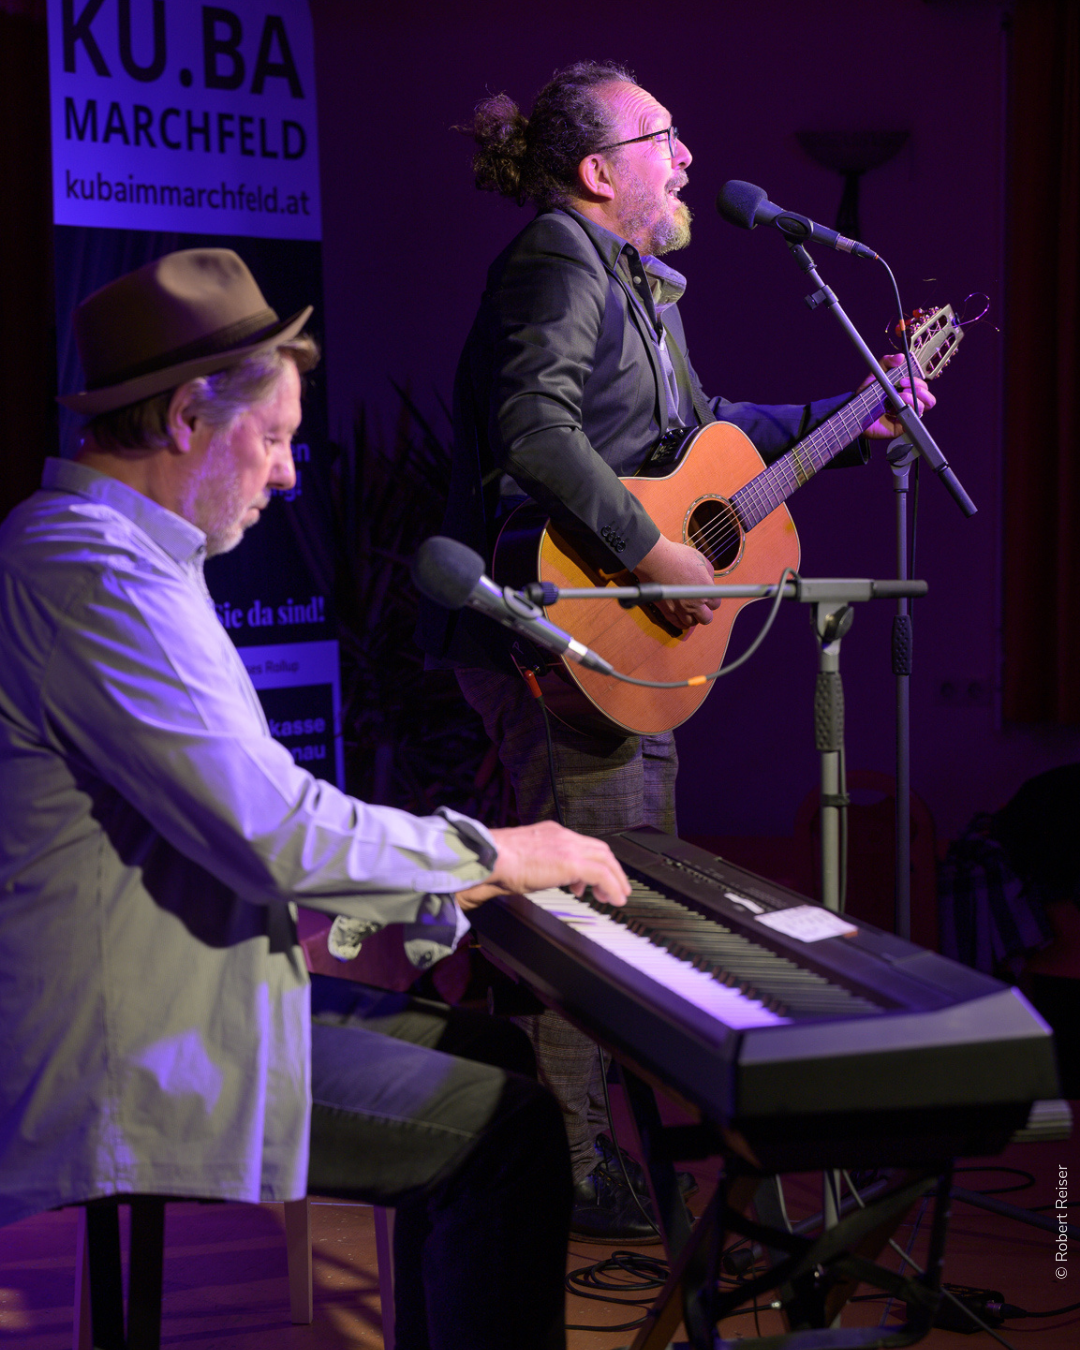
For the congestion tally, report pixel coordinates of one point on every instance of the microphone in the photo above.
(452, 575)
(745, 205)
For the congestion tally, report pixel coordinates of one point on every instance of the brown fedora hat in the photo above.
(186, 314)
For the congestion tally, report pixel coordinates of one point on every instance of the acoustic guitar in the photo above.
(709, 488)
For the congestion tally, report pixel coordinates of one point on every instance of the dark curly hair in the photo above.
(535, 159)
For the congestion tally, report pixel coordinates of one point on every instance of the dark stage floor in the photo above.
(225, 1274)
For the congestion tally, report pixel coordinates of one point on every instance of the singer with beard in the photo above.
(575, 368)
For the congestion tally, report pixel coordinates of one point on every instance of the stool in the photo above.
(298, 1255)
(99, 1299)
(99, 1306)
(384, 1253)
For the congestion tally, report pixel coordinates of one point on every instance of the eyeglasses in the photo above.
(671, 135)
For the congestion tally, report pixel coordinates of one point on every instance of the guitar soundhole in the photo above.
(713, 528)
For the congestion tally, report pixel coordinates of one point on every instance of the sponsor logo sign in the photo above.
(181, 116)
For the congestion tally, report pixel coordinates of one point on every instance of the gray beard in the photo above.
(639, 221)
(672, 232)
(223, 542)
(212, 501)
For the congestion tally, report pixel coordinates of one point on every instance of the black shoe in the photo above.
(607, 1211)
(609, 1163)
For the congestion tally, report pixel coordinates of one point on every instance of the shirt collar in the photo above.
(609, 245)
(669, 286)
(672, 284)
(177, 536)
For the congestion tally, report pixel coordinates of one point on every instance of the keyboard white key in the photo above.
(727, 1005)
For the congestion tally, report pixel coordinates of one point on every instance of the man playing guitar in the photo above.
(575, 368)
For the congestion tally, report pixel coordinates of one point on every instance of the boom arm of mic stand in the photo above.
(810, 590)
(912, 422)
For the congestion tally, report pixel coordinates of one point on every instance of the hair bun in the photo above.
(498, 128)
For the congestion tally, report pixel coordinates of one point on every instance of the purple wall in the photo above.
(408, 241)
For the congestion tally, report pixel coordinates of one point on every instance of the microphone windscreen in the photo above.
(738, 202)
(446, 571)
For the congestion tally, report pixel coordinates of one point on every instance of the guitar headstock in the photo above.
(935, 336)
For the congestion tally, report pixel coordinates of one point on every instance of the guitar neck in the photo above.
(775, 484)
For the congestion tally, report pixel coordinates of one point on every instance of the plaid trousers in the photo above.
(605, 784)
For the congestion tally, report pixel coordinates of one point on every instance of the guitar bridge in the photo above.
(660, 619)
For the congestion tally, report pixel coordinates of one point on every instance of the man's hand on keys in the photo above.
(532, 857)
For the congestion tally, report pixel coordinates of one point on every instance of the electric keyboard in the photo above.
(800, 1050)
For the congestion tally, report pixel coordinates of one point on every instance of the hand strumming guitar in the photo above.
(675, 564)
(670, 564)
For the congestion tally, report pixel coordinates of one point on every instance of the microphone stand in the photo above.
(808, 590)
(915, 431)
(901, 457)
(915, 438)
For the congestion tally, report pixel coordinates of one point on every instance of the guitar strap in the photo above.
(702, 411)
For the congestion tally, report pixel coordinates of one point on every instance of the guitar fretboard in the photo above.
(775, 484)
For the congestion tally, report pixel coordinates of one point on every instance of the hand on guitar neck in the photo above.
(670, 564)
(886, 427)
(676, 564)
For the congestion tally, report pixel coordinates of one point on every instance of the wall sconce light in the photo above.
(851, 154)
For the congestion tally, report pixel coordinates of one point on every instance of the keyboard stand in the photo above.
(846, 1251)
(818, 1274)
(767, 1095)
(814, 1276)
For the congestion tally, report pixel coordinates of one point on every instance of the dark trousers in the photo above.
(435, 1111)
(606, 783)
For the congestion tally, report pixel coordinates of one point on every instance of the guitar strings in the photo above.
(775, 483)
(763, 497)
(757, 495)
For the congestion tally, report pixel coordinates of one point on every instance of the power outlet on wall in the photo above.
(964, 691)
